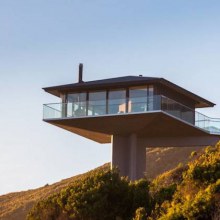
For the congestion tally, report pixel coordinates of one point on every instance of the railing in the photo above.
(132, 105)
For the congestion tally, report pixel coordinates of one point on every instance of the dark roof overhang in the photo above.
(119, 82)
(112, 83)
(199, 101)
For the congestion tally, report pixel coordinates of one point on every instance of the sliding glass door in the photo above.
(97, 103)
(141, 99)
(76, 104)
(117, 101)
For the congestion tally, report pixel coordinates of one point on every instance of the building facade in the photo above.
(132, 113)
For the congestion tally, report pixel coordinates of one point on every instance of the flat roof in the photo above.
(126, 81)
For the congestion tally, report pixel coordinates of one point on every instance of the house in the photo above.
(132, 113)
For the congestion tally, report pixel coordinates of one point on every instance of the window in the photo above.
(94, 103)
(97, 103)
(141, 99)
(76, 97)
(152, 100)
(117, 102)
(138, 99)
(76, 104)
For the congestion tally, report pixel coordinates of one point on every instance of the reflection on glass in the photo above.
(52, 110)
(77, 107)
(178, 110)
(151, 99)
(117, 102)
(76, 104)
(97, 103)
(138, 99)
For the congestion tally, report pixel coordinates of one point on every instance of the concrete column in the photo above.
(141, 160)
(129, 156)
(120, 154)
(133, 157)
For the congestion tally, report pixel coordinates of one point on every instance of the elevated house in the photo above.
(132, 113)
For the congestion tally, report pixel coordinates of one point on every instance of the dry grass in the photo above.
(161, 160)
(15, 206)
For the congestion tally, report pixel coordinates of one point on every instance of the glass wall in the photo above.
(178, 110)
(141, 99)
(138, 99)
(152, 101)
(97, 103)
(76, 104)
(129, 100)
(117, 101)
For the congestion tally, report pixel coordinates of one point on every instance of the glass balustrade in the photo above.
(131, 106)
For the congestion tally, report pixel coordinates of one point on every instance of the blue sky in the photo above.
(41, 44)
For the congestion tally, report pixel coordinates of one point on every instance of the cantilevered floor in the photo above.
(145, 125)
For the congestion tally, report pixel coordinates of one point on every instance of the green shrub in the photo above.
(193, 154)
(165, 193)
(206, 168)
(194, 198)
(140, 195)
(99, 195)
(140, 214)
(187, 193)
(45, 209)
(216, 188)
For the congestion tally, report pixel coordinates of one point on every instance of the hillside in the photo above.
(15, 206)
(160, 160)
(188, 192)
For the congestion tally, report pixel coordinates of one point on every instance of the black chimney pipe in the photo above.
(80, 73)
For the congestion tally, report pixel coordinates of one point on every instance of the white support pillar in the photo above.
(129, 156)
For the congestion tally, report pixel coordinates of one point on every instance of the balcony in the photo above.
(131, 106)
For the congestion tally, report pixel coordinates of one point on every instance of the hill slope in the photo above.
(160, 160)
(188, 192)
(15, 206)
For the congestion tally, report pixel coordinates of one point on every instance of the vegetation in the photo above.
(193, 154)
(98, 195)
(189, 192)
(196, 196)
(17, 205)
(140, 214)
